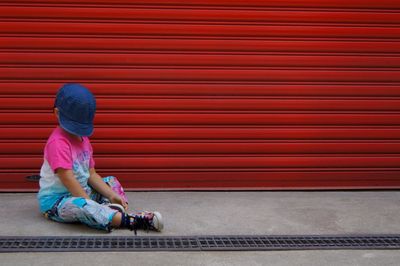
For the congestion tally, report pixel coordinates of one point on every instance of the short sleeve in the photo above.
(58, 154)
(91, 162)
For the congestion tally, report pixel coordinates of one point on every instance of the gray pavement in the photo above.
(207, 213)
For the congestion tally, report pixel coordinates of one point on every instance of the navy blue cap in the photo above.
(77, 107)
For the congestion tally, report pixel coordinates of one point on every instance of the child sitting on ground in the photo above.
(70, 188)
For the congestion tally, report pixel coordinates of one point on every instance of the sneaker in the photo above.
(147, 221)
(116, 206)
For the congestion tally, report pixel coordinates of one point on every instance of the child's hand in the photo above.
(117, 199)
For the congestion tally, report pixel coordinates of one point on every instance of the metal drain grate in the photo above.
(60, 244)
(299, 242)
(196, 243)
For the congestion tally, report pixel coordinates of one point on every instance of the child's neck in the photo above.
(76, 137)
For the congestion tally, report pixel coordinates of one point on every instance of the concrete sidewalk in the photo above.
(207, 213)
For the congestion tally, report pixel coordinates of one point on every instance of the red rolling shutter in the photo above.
(210, 94)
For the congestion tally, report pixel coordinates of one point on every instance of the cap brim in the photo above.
(75, 128)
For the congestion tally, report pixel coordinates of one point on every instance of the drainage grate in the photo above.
(299, 242)
(196, 243)
(60, 244)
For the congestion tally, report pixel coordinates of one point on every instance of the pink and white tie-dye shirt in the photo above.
(63, 151)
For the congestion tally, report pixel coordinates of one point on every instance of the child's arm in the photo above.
(96, 182)
(68, 179)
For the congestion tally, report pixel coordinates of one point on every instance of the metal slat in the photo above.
(359, 4)
(212, 148)
(230, 163)
(196, 243)
(247, 134)
(177, 75)
(185, 90)
(204, 15)
(84, 44)
(216, 105)
(197, 60)
(164, 119)
(46, 29)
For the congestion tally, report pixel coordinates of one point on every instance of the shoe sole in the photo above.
(117, 207)
(158, 221)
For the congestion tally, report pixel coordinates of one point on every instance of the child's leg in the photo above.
(86, 211)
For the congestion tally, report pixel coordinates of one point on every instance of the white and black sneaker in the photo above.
(116, 206)
(146, 220)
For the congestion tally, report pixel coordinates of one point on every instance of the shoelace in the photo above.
(140, 222)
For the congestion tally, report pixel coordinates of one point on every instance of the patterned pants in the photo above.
(93, 212)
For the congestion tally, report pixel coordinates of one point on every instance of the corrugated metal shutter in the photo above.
(209, 94)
